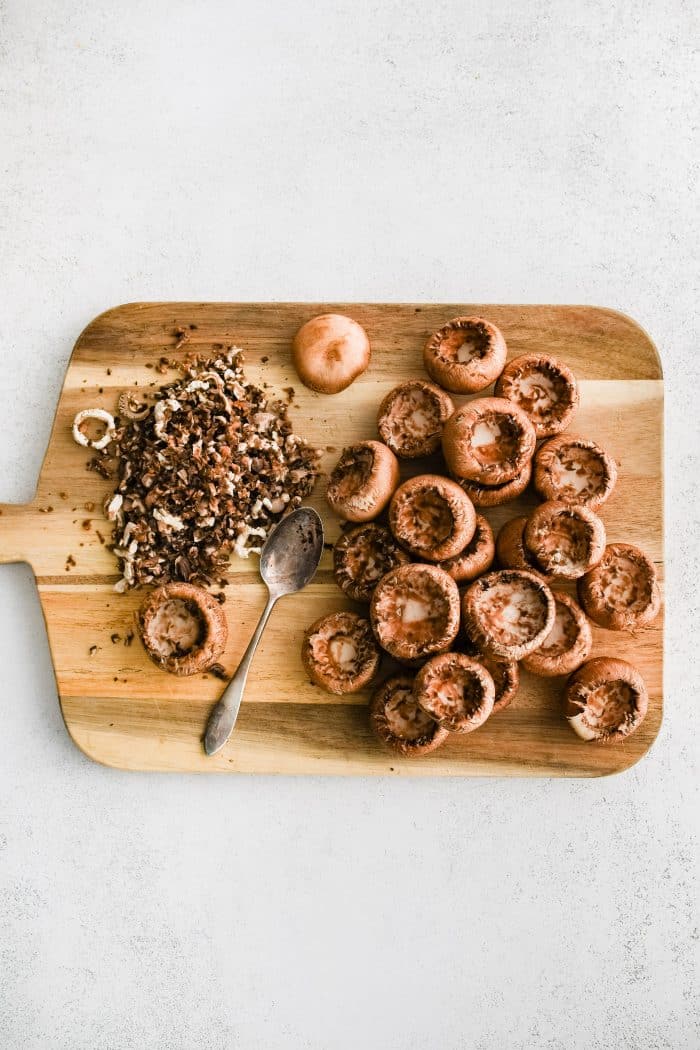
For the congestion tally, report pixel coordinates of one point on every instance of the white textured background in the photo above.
(483, 151)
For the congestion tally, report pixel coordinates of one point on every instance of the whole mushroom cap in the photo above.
(329, 352)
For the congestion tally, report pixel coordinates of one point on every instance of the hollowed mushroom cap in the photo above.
(432, 517)
(182, 627)
(465, 355)
(488, 440)
(411, 417)
(567, 645)
(511, 552)
(564, 540)
(606, 700)
(508, 613)
(505, 674)
(329, 352)
(544, 388)
(496, 495)
(339, 652)
(363, 481)
(415, 611)
(456, 691)
(400, 722)
(476, 558)
(622, 591)
(362, 556)
(574, 470)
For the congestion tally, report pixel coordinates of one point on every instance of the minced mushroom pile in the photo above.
(209, 470)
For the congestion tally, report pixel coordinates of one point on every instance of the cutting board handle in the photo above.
(15, 531)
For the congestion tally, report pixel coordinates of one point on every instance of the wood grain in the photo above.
(121, 710)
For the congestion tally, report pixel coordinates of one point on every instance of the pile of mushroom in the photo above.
(409, 546)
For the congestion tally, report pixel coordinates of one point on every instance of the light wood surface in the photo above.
(123, 711)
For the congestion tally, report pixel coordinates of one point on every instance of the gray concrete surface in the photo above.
(483, 151)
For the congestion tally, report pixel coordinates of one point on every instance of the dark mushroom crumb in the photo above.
(114, 638)
(219, 671)
(86, 524)
(100, 536)
(128, 638)
(92, 650)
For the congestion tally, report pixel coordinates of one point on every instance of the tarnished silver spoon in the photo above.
(288, 562)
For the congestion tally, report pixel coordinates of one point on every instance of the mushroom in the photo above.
(329, 352)
(465, 355)
(400, 722)
(456, 691)
(505, 674)
(508, 613)
(574, 470)
(622, 591)
(411, 418)
(432, 517)
(568, 643)
(415, 611)
(565, 541)
(544, 388)
(488, 440)
(511, 552)
(362, 556)
(476, 557)
(104, 419)
(606, 700)
(339, 652)
(494, 495)
(182, 627)
(363, 481)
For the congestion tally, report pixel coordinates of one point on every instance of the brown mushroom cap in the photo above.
(329, 352)
(622, 591)
(496, 495)
(362, 556)
(339, 652)
(182, 627)
(415, 611)
(477, 556)
(564, 540)
(456, 691)
(606, 700)
(411, 417)
(400, 722)
(488, 440)
(363, 481)
(511, 552)
(465, 355)
(508, 613)
(544, 388)
(432, 517)
(574, 470)
(505, 674)
(567, 645)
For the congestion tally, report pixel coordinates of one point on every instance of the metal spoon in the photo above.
(288, 562)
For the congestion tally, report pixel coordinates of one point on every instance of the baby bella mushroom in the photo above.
(362, 556)
(363, 481)
(489, 440)
(567, 645)
(544, 388)
(329, 352)
(505, 674)
(606, 700)
(415, 612)
(622, 591)
(465, 355)
(565, 541)
(476, 557)
(495, 495)
(339, 652)
(400, 722)
(574, 470)
(411, 418)
(432, 517)
(456, 691)
(508, 613)
(511, 552)
(182, 627)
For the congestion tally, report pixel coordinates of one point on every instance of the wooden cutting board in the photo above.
(123, 711)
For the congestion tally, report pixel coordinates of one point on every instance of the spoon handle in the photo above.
(224, 715)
